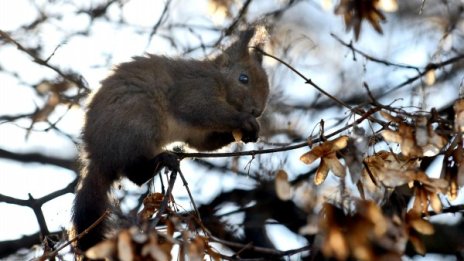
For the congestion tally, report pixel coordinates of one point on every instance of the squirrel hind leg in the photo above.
(143, 169)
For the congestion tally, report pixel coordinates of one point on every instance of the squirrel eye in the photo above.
(243, 78)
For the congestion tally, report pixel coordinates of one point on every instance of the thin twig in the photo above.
(263, 250)
(184, 181)
(372, 58)
(159, 22)
(79, 236)
(167, 196)
(421, 7)
(307, 80)
(72, 77)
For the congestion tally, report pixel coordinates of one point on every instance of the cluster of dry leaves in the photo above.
(135, 243)
(361, 229)
(355, 11)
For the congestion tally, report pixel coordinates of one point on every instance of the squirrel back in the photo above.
(153, 101)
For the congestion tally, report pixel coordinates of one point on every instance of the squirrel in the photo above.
(154, 100)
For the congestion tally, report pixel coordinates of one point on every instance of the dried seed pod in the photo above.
(237, 135)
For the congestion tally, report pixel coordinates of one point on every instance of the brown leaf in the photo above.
(49, 107)
(282, 186)
(125, 246)
(459, 115)
(334, 164)
(102, 250)
(435, 202)
(417, 244)
(213, 253)
(453, 190)
(390, 169)
(335, 245)
(196, 249)
(339, 143)
(355, 11)
(324, 149)
(321, 173)
(151, 204)
(221, 9)
(430, 77)
(422, 226)
(312, 155)
(152, 249)
(390, 117)
(391, 136)
(237, 135)
(375, 215)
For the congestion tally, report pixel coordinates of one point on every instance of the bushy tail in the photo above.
(90, 204)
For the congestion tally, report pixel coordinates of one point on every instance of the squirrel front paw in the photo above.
(249, 128)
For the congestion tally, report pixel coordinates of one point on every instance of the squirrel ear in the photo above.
(239, 50)
(257, 53)
(244, 39)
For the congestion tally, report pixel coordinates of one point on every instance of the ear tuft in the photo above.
(240, 49)
(245, 37)
(257, 53)
(254, 36)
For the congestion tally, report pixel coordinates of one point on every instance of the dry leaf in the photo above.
(430, 77)
(365, 234)
(282, 186)
(221, 9)
(355, 11)
(390, 169)
(334, 164)
(417, 244)
(102, 250)
(335, 245)
(151, 204)
(420, 140)
(125, 246)
(329, 161)
(213, 253)
(237, 135)
(196, 249)
(312, 155)
(324, 149)
(340, 143)
(374, 214)
(153, 249)
(391, 136)
(321, 173)
(459, 115)
(422, 226)
(435, 202)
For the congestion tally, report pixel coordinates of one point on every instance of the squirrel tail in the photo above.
(90, 203)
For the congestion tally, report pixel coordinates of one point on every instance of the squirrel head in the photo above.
(248, 86)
